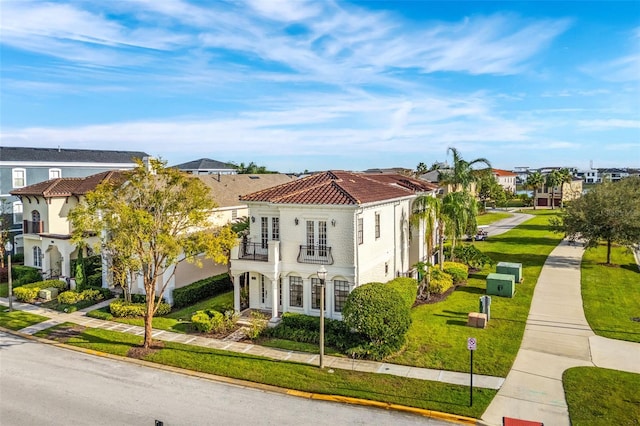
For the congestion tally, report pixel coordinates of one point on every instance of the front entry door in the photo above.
(265, 293)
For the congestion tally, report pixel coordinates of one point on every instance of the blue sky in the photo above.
(297, 85)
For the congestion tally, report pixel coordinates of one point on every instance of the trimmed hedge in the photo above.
(25, 275)
(213, 321)
(201, 290)
(440, 281)
(459, 271)
(379, 313)
(120, 308)
(29, 292)
(73, 297)
(407, 287)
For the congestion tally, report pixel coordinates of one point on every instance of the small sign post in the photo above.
(471, 345)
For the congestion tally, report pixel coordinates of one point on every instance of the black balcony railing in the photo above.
(253, 251)
(315, 254)
(29, 227)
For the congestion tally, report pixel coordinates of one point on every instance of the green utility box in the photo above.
(514, 269)
(500, 284)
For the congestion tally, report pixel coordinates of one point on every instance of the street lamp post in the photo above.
(8, 247)
(322, 275)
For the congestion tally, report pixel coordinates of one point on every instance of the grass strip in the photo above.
(489, 218)
(377, 387)
(438, 334)
(611, 293)
(17, 320)
(599, 396)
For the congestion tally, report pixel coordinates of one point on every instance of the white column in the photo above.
(236, 293)
(275, 295)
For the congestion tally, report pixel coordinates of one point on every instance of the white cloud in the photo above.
(610, 123)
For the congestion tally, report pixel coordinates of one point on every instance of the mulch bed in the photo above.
(435, 298)
(138, 352)
(63, 334)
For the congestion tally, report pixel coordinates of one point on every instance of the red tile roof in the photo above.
(499, 172)
(341, 188)
(65, 187)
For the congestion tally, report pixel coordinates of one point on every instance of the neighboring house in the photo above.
(506, 179)
(547, 197)
(522, 172)
(355, 224)
(589, 175)
(21, 167)
(613, 175)
(206, 166)
(46, 228)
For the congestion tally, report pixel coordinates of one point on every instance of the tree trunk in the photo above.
(148, 315)
(608, 252)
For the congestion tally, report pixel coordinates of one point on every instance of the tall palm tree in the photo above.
(553, 179)
(462, 175)
(460, 210)
(428, 210)
(565, 177)
(534, 181)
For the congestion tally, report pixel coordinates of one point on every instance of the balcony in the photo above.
(253, 251)
(30, 227)
(320, 255)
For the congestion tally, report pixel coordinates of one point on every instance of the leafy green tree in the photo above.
(534, 181)
(81, 272)
(488, 188)
(421, 168)
(610, 212)
(462, 173)
(251, 169)
(156, 218)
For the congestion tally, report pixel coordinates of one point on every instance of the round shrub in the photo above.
(458, 271)
(407, 287)
(440, 281)
(201, 322)
(91, 294)
(379, 313)
(120, 308)
(69, 297)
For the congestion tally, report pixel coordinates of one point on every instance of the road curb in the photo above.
(253, 385)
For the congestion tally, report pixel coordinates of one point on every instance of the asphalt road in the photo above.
(46, 385)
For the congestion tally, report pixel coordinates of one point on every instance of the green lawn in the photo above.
(598, 396)
(611, 294)
(177, 321)
(290, 345)
(378, 387)
(489, 218)
(17, 320)
(438, 335)
(4, 289)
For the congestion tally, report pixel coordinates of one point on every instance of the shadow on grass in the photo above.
(529, 241)
(631, 267)
(457, 322)
(473, 290)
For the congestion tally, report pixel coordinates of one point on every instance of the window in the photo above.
(55, 173)
(360, 234)
(37, 257)
(263, 290)
(377, 225)
(35, 216)
(322, 238)
(295, 291)
(316, 291)
(264, 231)
(19, 178)
(234, 214)
(340, 293)
(275, 228)
(311, 237)
(17, 212)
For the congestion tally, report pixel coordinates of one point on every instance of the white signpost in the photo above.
(471, 345)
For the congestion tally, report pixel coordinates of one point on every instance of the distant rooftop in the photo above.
(62, 155)
(65, 187)
(206, 165)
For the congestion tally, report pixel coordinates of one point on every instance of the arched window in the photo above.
(35, 216)
(37, 257)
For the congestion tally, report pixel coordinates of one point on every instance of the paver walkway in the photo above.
(557, 337)
(80, 318)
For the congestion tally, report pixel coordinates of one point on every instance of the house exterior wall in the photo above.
(566, 192)
(378, 258)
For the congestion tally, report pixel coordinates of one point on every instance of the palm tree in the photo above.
(428, 210)
(462, 175)
(460, 210)
(565, 177)
(553, 179)
(534, 181)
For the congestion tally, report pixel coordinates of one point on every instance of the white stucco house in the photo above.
(355, 225)
(505, 179)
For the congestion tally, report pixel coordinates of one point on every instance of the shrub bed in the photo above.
(458, 271)
(29, 292)
(25, 275)
(440, 281)
(201, 290)
(212, 321)
(120, 308)
(407, 288)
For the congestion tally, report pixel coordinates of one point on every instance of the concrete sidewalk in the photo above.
(557, 337)
(80, 318)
